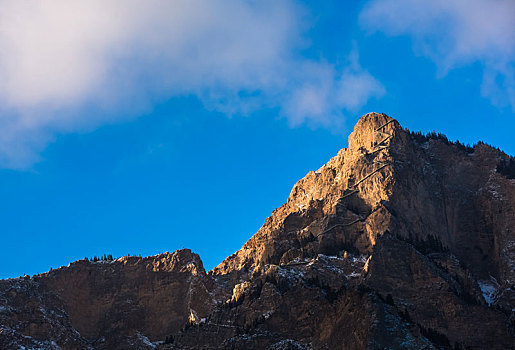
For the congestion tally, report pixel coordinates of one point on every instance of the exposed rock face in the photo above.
(106, 304)
(400, 241)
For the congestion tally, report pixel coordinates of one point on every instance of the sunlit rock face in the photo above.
(400, 241)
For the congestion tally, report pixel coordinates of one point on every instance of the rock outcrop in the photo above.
(400, 241)
(106, 304)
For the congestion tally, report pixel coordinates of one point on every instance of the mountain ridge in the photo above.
(399, 241)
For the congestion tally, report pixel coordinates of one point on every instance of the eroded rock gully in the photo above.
(400, 241)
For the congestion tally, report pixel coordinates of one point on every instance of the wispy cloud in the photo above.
(68, 66)
(454, 34)
(324, 90)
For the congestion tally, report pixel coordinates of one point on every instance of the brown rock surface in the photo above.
(400, 241)
(111, 304)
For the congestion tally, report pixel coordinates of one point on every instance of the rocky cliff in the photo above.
(117, 304)
(401, 240)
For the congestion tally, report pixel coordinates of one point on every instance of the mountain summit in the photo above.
(401, 241)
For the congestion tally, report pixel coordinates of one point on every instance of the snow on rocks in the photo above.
(489, 288)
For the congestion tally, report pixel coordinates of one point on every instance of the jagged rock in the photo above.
(108, 304)
(400, 241)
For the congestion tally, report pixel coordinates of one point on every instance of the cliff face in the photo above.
(386, 181)
(399, 241)
(105, 304)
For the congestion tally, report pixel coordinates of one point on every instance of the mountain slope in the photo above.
(399, 241)
(105, 304)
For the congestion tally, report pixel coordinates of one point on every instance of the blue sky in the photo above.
(138, 127)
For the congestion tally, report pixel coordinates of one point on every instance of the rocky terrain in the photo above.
(401, 241)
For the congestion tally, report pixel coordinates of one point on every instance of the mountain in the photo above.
(401, 241)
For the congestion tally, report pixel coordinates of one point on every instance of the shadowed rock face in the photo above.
(399, 241)
(106, 304)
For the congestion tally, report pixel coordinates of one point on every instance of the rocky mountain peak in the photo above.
(370, 131)
(337, 206)
(402, 240)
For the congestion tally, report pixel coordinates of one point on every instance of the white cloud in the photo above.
(454, 34)
(68, 66)
(324, 90)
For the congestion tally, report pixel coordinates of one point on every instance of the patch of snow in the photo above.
(289, 344)
(334, 257)
(267, 314)
(361, 259)
(291, 273)
(146, 341)
(489, 290)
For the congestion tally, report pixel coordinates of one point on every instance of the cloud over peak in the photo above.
(62, 58)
